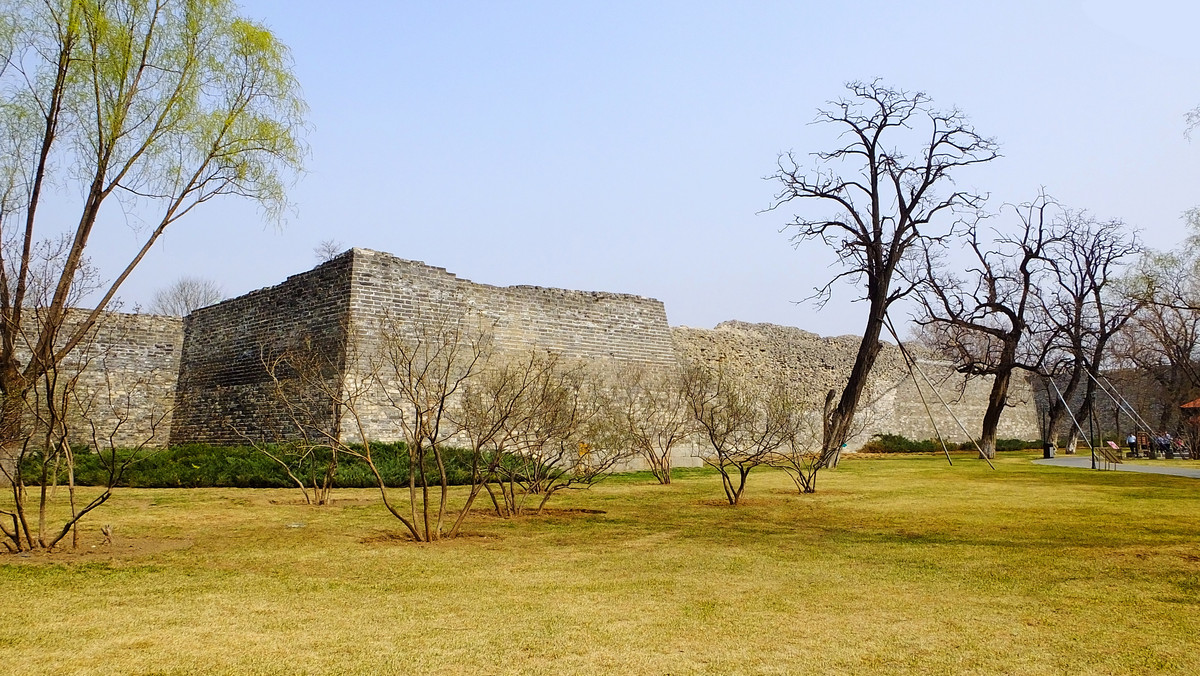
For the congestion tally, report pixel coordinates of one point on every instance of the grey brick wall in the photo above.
(125, 372)
(223, 384)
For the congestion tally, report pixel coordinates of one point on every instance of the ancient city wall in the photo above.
(389, 295)
(225, 392)
(119, 381)
(132, 378)
(345, 311)
(813, 365)
(575, 324)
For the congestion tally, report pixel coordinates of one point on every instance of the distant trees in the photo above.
(327, 250)
(184, 295)
(887, 191)
(1161, 341)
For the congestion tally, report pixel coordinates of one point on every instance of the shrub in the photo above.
(204, 466)
(895, 443)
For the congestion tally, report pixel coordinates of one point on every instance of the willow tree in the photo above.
(886, 193)
(152, 106)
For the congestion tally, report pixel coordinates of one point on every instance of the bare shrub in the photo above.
(652, 415)
(739, 427)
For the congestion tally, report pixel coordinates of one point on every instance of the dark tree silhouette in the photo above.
(982, 319)
(888, 190)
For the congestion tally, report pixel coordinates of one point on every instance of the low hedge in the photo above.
(895, 443)
(203, 466)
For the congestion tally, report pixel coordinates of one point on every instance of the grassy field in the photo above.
(897, 565)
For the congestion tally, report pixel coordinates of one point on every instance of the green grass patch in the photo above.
(897, 565)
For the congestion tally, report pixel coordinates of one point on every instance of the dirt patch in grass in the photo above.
(337, 502)
(121, 549)
(385, 537)
(553, 511)
(402, 537)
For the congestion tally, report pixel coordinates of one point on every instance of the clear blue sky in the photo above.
(621, 146)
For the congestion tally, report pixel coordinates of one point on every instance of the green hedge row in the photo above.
(895, 443)
(201, 466)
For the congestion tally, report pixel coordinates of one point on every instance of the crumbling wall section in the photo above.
(813, 365)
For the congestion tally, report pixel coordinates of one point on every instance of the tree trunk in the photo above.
(991, 419)
(1058, 410)
(838, 422)
(10, 436)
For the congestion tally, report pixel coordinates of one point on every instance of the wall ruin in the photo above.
(156, 380)
(813, 365)
(342, 309)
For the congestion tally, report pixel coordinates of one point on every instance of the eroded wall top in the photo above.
(576, 324)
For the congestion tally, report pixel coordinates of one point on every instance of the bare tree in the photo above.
(487, 416)
(184, 295)
(981, 320)
(739, 428)
(559, 437)
(1085, 308)
(801, 453)
(652, 414)
(327, 250)
(122, 98)
(310, 396)
(885, 202)
(64, 416)
(422, 369)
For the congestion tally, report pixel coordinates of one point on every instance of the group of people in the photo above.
(1161, 442)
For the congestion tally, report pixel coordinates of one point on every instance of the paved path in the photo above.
(1086, 463)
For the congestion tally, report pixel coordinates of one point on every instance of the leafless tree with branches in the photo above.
(885, 202)
(311, 398)
(65, 416)
(981, 320)
(327, 250)
(739, 428)
(652, 414)
(423, 367)
(184, 295)
(1085, 307)
(561, 436)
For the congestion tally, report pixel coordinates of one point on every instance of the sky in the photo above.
(622, 146)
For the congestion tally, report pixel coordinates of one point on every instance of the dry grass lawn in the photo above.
(897, 565)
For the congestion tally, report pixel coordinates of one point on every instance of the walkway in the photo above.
(1085, 462)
